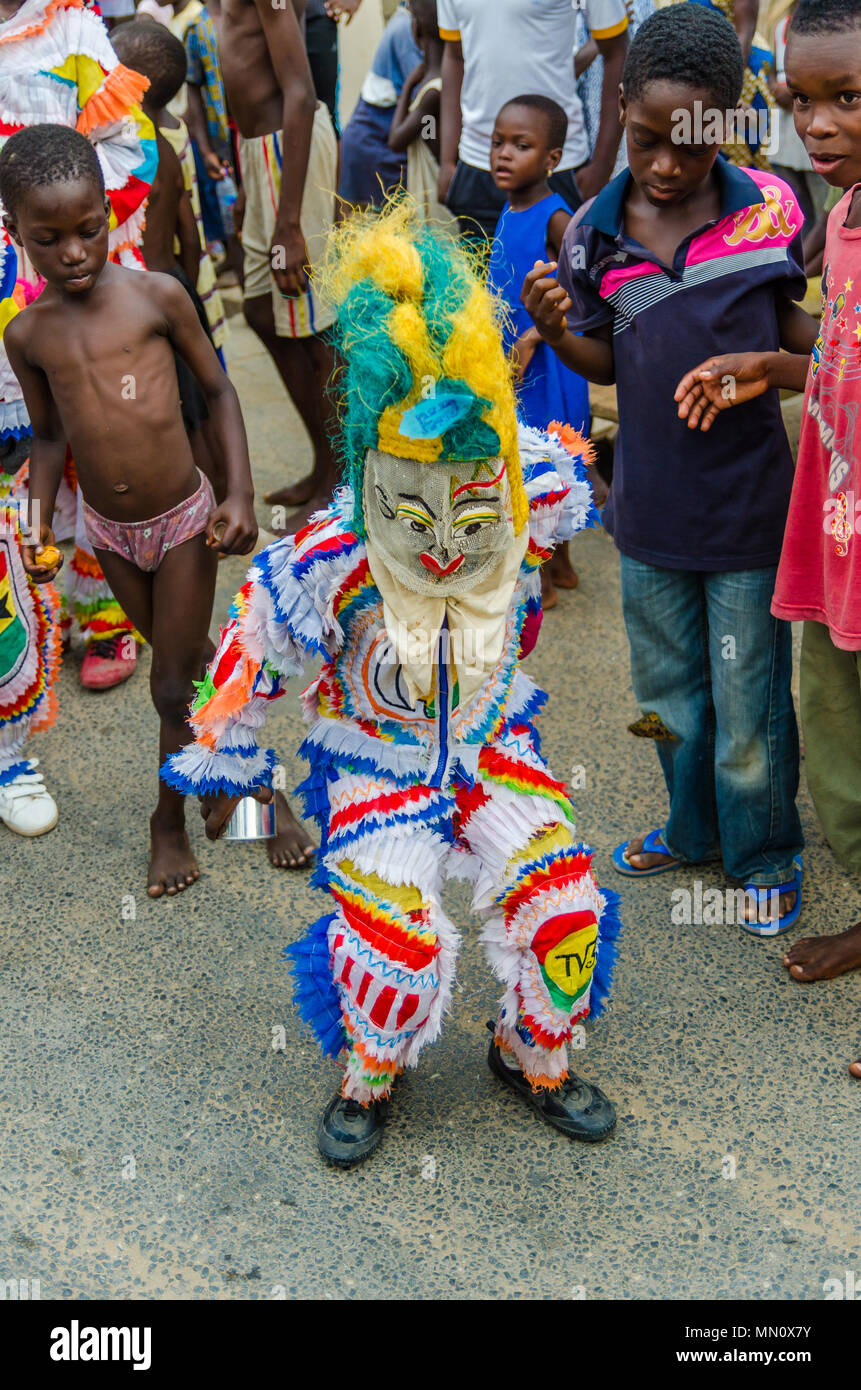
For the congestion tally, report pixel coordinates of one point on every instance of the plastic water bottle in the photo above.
(225, 190)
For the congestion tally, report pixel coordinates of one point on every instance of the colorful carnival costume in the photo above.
(29, 656)
(57, 66)
(419, 587)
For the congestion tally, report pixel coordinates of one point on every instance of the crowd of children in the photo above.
(680, 282)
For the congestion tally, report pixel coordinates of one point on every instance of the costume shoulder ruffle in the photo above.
(286, 609)
(58, 67)
(553, 463)
(33, 18)
(295, 589)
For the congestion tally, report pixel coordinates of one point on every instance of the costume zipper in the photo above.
(442, 690)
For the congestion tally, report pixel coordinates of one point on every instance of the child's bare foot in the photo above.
(823, 957)
(301, 518)
(855, 1069)
(290, 847)
(562, 572)
(549, 596)
(294, 494)
(172, 866)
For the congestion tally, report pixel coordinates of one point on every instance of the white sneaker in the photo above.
(26, 806)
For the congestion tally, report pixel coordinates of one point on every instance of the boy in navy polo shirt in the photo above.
(678, 255)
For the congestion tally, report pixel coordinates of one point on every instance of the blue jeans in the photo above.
(709, 659)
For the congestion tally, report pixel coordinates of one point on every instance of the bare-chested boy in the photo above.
(288, 157)
(94, 358)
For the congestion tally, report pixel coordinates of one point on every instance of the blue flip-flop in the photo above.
(763, 899)
(653, 844)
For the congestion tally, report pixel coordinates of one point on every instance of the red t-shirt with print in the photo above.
(819, 577)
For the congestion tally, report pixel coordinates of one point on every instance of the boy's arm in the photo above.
(187, 233)
(407, 125)
(735, 378)
(556, 229)
(236, 512)
(450, 117)
(48, 451)
(290, 64)
(814, 246)
(798, 329)
(547, 303)
(195, 119)
(585, 57)
(592, 177)
(523, 348)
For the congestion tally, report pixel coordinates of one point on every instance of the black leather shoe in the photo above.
(349, 1132)
(576, 1108)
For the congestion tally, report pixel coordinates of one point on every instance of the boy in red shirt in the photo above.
(818, 578)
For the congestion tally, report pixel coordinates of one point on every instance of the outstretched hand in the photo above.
(217, 809)
(232, 527)
(545, 301)
(719, 384)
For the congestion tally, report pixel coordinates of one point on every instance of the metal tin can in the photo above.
(251, 820)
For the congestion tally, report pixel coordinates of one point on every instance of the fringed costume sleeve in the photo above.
(282, 613)
(555, 482)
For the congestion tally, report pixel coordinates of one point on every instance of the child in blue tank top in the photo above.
(527, 142)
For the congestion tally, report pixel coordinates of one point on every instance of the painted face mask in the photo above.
(440, 528)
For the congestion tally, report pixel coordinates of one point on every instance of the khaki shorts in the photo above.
(260, 162)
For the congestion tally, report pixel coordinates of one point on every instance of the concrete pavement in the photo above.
(159, 1097)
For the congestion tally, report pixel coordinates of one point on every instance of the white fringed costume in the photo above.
(424, 759)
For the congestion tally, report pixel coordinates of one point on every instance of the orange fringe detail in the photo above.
(230, 699)
(50, 11)
(121, 90)
(86, 564)
(573, 441)
(371, 1065)
(538, 1082)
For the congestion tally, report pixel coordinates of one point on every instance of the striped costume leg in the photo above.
(551, 932)
(375, 974)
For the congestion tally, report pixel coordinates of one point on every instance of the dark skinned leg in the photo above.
(291, 846)
(209, 457)
(183, 592)
(549, 596)
(562, 572)
(135, 586)
(305, 365)
(171, 607)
